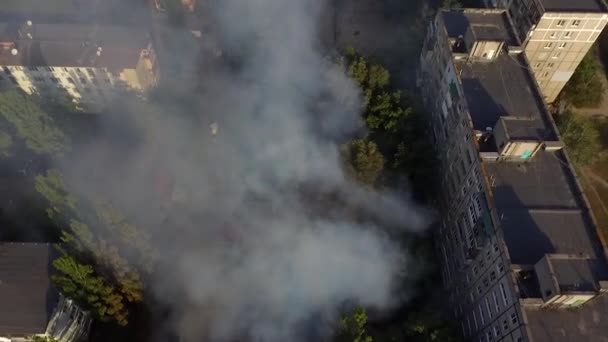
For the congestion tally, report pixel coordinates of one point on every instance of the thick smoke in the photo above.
(260, 235)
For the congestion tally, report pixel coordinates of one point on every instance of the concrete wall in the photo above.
(558, 44)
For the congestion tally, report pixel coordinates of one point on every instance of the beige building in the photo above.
(84, 64)
(557, 34)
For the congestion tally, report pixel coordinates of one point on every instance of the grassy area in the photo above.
(594, 179)
(598, 199)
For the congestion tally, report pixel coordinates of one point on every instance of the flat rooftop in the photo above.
(25, 291)
(538, 202)
(72, 11)
(504, 87)
(588, 323)
(574, 274)
(485, 24)
(573, 5)
(71, 45)
(540, 211)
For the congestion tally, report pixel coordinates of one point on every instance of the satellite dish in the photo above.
(14, 52)
(29, 23)
(29, 35)
(98, 52)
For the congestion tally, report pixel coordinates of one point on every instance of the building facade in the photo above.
(87, 65)
(557, 34)
(521, 256)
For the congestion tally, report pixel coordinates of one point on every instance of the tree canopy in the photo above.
(352, 327)
(581, 137)
(32, 124)
(585, 87)
(95, 239)
(397, 129)
(363, 161)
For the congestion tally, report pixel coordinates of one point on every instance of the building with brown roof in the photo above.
(82, 63)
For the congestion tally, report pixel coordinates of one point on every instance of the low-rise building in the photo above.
(80, 63)
(522, 259)
(29, 305)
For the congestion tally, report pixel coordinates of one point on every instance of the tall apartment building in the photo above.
(522, 259)
(82, 63)
(557, 34)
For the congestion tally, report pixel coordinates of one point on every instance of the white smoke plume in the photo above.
(261, 233)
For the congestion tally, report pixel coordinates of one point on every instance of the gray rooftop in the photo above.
(521, 128)
(538, 202)
(575, 274)
(573, 5)
(73, 45)
(588, 323)
(504, 87)
(485, 24)
(540, 210)
(26, 297)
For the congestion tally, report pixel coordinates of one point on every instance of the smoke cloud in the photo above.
(259, 232)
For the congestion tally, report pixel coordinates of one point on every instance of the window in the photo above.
(496, 331)
(538, 65)
(568, 35)
(495, 247)
(479, 289)
(548, 45)
(550, 65)
(505, 325)
(497, 307)
(71, 80)
(6, 70)
(493, 276)
(561, 23)
(483, 321)
(489, 335)
(500, 267)
(553, 35)
(576, 23)
(83, 80)
(488, 308)
(91, 72)
(66, 70)
(504, 294)
(54, 80)
(562, 45)
(475, 320)
(514, 318)
(557, 55)
(485, 282)
(545, 74)
(475, 270)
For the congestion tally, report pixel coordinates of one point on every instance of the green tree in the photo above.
(6, 142)
(386, 113)
(52, 187)
(352, 327)
(36, 127)
(581, 137)
(585, 88)
(44, 339)
(97, 232)
(449, 4)
(80, 282)
(363, 160)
